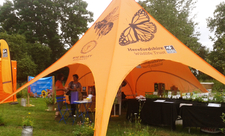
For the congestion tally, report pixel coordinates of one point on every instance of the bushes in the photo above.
(84, 130)
(218, 86)
(23, 93)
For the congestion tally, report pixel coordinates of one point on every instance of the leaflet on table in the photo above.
(185, 104)
(164, 101)
(82, 101)
(214, 105)
(168, 102)
(159, 100)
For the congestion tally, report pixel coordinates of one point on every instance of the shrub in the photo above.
(49, 101)
(84, 129)
(27, 121)
(223, 118)
(218, 86)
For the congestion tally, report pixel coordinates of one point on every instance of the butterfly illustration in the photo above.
(104, 27)
(140, 29)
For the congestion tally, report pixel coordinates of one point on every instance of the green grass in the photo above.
(45, 125)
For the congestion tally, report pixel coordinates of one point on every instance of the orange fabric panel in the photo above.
(162, 71)
(6, 75)
(4, 95)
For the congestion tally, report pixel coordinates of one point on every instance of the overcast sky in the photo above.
(203, 10)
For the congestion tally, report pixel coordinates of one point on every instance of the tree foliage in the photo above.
(216, 24)
(38, 31)
(18, 47)
(174, 15)
(53, 23)
(204, 54)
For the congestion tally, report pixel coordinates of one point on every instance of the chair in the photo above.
(63, 111)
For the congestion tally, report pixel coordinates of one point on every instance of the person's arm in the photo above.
(58, 89)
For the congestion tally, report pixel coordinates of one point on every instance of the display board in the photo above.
(41, 88)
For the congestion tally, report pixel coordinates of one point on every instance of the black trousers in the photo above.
(73, 106)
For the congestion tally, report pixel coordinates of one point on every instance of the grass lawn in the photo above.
(45, 125)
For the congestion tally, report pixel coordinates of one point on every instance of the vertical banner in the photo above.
(6, 67)
(41, 88)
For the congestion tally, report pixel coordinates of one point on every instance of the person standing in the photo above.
(59, 93)
(72, 87)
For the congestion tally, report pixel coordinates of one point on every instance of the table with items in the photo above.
(203, 115)
(164, 112)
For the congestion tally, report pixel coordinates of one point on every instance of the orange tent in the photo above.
(4, 94)
(123, 37)
(7, 73)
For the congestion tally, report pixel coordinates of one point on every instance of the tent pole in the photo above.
(28, 98)
(53, 88)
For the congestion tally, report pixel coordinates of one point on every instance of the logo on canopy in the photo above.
(170, 49)
(104, 27)
(88, 47)
(4, 53)
(140, 29)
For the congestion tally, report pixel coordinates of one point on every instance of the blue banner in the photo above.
(41, 88)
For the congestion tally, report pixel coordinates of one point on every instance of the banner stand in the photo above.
(28, 98)
(43, 88)
(28, 101)
(53, 88)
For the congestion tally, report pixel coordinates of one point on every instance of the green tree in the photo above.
(204, 54)
(51, 23)
(216, 24)
(19, 52)
(17, 45)
(25, 67)
(41, 56)
(174, 15)
(73, 20)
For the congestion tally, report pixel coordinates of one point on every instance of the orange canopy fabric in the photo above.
(141, 79)
(3, 94)
(7, 73)
(123, 37)
(6, 67)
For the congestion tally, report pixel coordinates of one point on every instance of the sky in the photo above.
(203, 10)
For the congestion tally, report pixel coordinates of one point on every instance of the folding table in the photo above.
(80, 114)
